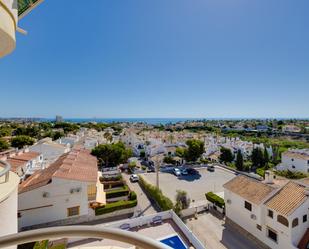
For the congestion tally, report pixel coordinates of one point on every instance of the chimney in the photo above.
(269, 177)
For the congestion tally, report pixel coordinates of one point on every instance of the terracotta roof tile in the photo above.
(82, 168)
(250, 189)
(288, 198)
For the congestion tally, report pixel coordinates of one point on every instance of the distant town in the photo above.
(252, 176)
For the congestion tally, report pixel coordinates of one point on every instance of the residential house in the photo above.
(50, 150)
(276, 216)
(25, 163)
(295, 160)
(62, 191)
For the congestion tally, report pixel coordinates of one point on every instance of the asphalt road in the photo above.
(195, 186)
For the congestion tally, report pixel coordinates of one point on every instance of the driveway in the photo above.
(214, 235)
(144, 206)
(195, 185)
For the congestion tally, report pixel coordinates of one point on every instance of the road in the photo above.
(144, 205)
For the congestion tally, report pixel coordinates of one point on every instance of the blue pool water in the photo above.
(174, 242)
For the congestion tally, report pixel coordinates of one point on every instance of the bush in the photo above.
(117, 193)
(291, 175)
(217, 200)
(132, 196)
(114, 206)
(153, 192)
(260, 172)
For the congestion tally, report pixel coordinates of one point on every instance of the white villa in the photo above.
(275, 216)
(60, 192)
(295, 160)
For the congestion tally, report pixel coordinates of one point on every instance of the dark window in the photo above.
(270, 213)
(292, 159)
(305, 218)
(284, 221)
(272, 235)
(259, 227)
(293, 166)
(248, 206)
(295, 222)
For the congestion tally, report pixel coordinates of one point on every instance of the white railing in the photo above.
(6, 170)
(81, 231)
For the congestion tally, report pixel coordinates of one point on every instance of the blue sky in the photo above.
(162, 58)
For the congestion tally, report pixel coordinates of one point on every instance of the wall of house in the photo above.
(242, 217)
(36, 209)
(299, 164)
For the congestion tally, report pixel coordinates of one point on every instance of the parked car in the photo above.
(192, 171)
(134, 178)
(176, 172)
(184, 172)
(211, 168)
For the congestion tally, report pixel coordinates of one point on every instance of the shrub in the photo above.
(217, 200)
(114, 206)
(132, 196)
(291, 175)
(153, 192)
(260, 172)
(117, 193)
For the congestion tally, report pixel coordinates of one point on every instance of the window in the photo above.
(295, 222)
(270, 213)
(73, 211)
(283, 220)
(272, 235)
(293, 166)
(92, 192)
(305, 218)
(292, 159)
(248, 206)
(259, 227)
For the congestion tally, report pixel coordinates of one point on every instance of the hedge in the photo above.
(132, 196)
(111, 207)
(217, 200)
(153, 192)
(118, 192)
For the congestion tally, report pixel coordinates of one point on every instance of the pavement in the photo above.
(195, 186)
(211, 231)
(144, 206)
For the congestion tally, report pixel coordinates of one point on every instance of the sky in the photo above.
(162, 58)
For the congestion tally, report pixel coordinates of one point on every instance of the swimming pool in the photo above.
(174, 242)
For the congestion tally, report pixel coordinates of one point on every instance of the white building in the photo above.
(50, 150)
(295, 160)
(275, 216)
(25, 163)
(61, 191)
(8, 201)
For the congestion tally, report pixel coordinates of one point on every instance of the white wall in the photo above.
(300, 164)
(56, 204)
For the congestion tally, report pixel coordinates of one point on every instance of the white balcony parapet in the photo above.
(81, 231)
(6, 170)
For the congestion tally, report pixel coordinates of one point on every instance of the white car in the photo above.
(176, 172)
(134, 178)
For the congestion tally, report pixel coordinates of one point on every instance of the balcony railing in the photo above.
(82, 232)
(5, 171)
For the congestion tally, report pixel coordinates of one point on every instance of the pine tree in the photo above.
(239, 161)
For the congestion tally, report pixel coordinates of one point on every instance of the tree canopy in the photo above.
(194, 151)
(226, 155)
(239, 161)
(21, 141)
(110, 155)
(4, 145)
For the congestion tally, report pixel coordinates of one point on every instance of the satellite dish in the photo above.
(7, 30)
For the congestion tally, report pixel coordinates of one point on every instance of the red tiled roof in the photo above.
(77, 165)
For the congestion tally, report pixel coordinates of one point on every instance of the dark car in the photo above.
(192, 171)
(211, 168)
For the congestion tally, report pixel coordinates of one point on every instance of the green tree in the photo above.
(180, 152)
(266, 158)
(182, 201)
(257, 158)
(239, 161)
(21, 141)
(110, 155)
(4, 145)
(194, 151)
(226, 155)
(169, 160)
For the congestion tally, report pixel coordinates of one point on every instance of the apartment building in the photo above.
(62, 191)
(276, 216)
